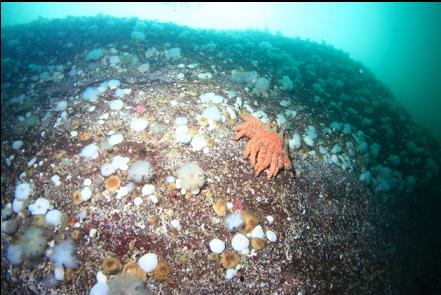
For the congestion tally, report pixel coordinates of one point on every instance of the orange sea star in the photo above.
(265, 148)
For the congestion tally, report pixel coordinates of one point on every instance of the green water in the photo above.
(399, 42)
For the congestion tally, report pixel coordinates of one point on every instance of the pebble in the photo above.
(270, 219)
(59, 273)
(86, 193)
(154, 199)
(271, 236)
(137, 201)
(148, 189)
(217, 246)
(176, 224)
(40, 206)
(257, 232)
(122, 192)
(93, 233)
(53, 217)
(148, 262)
(240, 242)
(230, 273)
(32, 161)
(100, 277)
(170, 179)
(56, 180)
(17, 144)
(99, 289)
(116, 139)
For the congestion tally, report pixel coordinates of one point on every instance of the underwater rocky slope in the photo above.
(118, 162)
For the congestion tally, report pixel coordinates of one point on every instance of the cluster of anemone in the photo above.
(130, 278)
(246, 222)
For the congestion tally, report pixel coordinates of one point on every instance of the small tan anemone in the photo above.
(69, 274)
(76, 198)
(134, 269)
(210, 142)
(75, 234)
(229, 259)
(171, 187)
(220, 207)
(59, 154)
(112, 183)
(85, 136)
(111, 266)
(258, 243)
(203, 122)
(193, 130)
(162, 271)
(250, 220)
(39, 220)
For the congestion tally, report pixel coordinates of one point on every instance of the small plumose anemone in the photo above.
(140, 171)
(33, 242)
(190, 178)
(126, 284)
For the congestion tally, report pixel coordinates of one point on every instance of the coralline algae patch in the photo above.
(118, 162)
